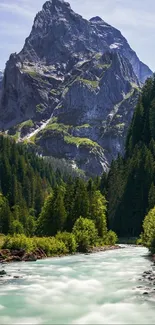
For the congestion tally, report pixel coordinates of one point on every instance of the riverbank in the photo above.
(8, 256)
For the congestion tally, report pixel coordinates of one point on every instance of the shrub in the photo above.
(149, 229)
(111, 238)
(19, 242)
(85, 234)
(69, 240)
(50, 245)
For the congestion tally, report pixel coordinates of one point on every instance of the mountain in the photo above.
(1, 75)
(73, 88)
(1, 78)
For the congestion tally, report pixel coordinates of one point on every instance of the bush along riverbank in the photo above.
(84, 239)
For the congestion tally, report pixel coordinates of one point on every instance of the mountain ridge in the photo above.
(72, 69)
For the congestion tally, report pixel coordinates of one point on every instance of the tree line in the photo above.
(38, 200)
(130, 184)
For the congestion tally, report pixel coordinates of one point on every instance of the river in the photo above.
(99, 288)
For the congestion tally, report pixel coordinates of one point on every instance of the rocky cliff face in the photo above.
(1, 79)
(73, 88)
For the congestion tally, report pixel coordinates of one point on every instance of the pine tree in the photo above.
(151, 197)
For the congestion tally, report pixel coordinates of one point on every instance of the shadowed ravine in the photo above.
(84, 289)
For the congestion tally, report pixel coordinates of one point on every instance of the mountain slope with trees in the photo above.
(36, 200)
(131, 180)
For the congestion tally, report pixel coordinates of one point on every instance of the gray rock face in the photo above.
(60, 36)
(1, 79)
(84, 75)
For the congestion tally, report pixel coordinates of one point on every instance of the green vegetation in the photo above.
(16, 136)
(93, 83)
(148, 235)
(36, 75)
(120, 126)
(2, 238)
(103, 66)
(15, 132)
(130, 184)
(33, 74)
(83, 126)
(28, 123)
(51, 246)
(32, 139)
(69, 240)
(98, 56)
(40, 108)
(85, 234)
(60, 127)
(41, 207)
(55, 92)
(135, 86)
(80, 141)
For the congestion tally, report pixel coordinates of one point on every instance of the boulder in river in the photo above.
(3, 272)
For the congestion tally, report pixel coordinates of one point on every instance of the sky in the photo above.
(134, 18)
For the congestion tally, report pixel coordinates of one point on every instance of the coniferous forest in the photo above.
(131, 179)
(37, 200)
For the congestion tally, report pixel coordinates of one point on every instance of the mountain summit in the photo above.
(59, 35)
(72, 88)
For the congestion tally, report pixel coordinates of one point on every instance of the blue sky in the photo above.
(135, 19)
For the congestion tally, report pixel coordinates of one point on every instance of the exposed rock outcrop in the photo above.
(84, 76)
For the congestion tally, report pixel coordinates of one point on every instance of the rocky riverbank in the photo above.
(148, 280)
(103, 249)
(8, 256)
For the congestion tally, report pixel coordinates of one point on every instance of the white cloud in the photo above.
(16, 9)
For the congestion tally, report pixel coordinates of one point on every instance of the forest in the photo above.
(131, 179)
(42, 201)
(39, 200)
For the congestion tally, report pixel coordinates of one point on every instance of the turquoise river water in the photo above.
(99, 288)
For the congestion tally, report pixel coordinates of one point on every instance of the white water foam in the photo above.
(84, 289)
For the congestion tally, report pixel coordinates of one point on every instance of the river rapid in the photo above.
(100, 288)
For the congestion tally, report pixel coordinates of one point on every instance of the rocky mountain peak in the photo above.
(73, 88)
(49, 5)
(97, 20)
(61, 37)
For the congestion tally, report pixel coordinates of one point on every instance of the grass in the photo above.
(16, 136)
(80, 141)
(33, 74)
(98, 56)
(93, 83)
(135, 86)
(103, 66)
(83, 126)
(28, 123)
(36, 75)
(120, 126)
(31, 139)
(57, 127)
